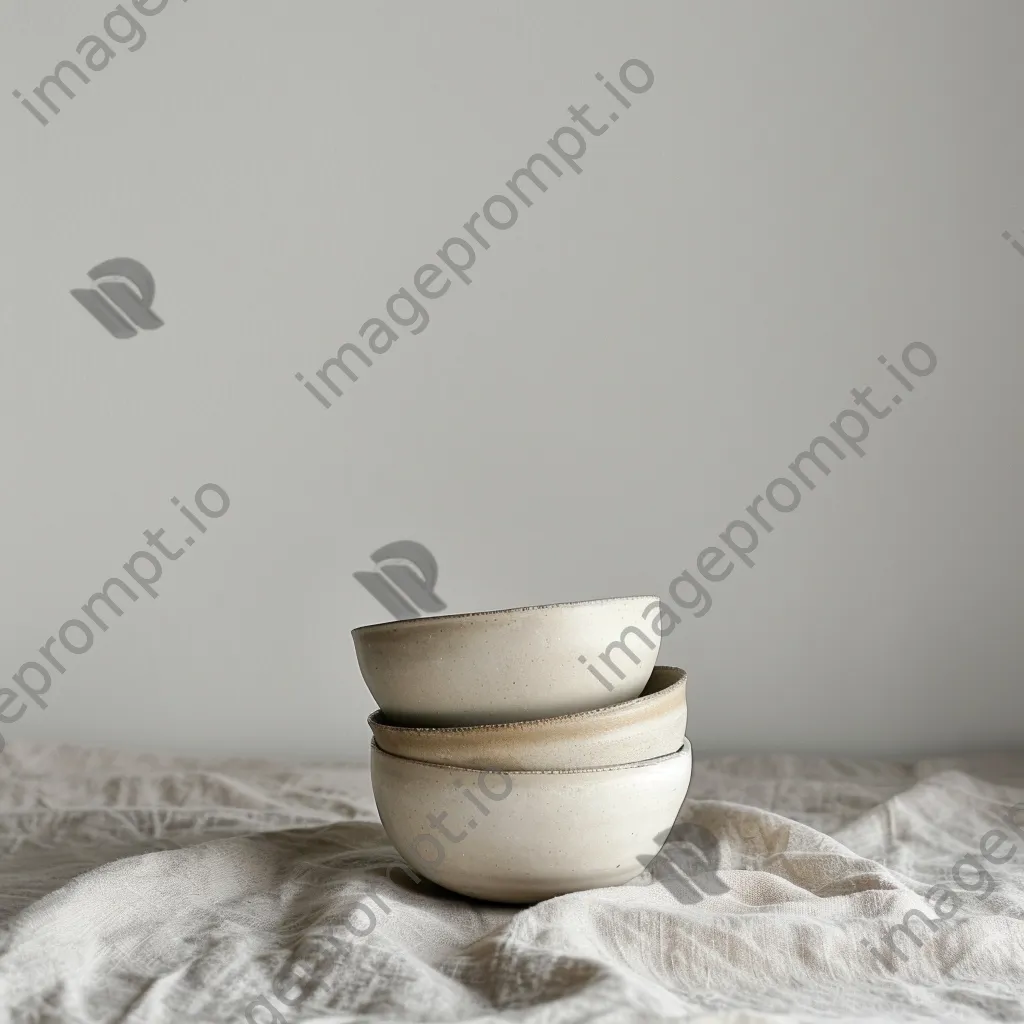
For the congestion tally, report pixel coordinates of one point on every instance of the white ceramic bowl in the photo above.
(648, 726)
(519, 837)
(508, 666)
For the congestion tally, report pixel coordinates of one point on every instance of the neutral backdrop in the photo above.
(804, 188)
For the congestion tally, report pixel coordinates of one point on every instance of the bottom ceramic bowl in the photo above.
(519, 837)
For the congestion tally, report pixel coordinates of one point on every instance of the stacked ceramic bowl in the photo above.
(508, 766)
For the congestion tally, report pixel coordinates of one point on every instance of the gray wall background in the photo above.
(804, 188)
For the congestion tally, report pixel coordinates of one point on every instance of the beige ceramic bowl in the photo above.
(508, 666)
(648, 726)
(519, 837)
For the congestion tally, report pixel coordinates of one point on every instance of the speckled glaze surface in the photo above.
(519, 837)
(649, 726)
(506, 666)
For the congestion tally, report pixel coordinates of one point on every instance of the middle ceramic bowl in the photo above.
(649, 726)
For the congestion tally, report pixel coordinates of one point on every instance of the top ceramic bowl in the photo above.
(651, 725)
(508, 666)
(516, 837)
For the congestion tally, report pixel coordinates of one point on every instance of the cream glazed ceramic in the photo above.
(506, 666)
(519, 837)
(648, 726)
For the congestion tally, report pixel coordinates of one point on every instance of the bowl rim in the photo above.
(431, 619)
(373, 720)
(685, 751)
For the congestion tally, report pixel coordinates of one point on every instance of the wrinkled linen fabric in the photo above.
(142, 888)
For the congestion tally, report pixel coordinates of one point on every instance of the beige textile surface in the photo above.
(145, 888)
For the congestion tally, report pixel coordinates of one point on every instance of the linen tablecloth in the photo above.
(148, 889)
